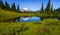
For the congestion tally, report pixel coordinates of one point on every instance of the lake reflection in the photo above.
(29, 19)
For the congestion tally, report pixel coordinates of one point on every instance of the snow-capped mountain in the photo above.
(25, 9)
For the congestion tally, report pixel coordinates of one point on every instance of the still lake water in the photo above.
(28, 19)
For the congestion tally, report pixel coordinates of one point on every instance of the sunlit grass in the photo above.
(45, 27)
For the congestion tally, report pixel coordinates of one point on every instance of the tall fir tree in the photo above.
(48, 10)
(18, 10)
(42, 11)
(7, 7)
(13, 7)
(52, 8)
(1, 5)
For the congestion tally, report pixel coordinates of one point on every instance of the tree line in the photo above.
(49, 9)
(7, 6)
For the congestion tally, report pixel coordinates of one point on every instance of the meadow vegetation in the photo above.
(44, 27)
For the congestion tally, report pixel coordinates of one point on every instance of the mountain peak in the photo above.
(25, 9)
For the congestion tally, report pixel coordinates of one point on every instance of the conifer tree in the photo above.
(42, 8)
(7, 7)
(13, 7)
(48, 10)
(1, 5)
(18, 10)
(52, 8)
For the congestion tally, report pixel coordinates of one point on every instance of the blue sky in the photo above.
(33, 4)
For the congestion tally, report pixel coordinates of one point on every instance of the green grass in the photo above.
(4, 15)
(45, 27)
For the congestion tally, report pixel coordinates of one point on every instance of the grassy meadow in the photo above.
(44, 27)
(4, 15)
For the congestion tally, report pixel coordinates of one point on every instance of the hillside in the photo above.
(5, 15)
